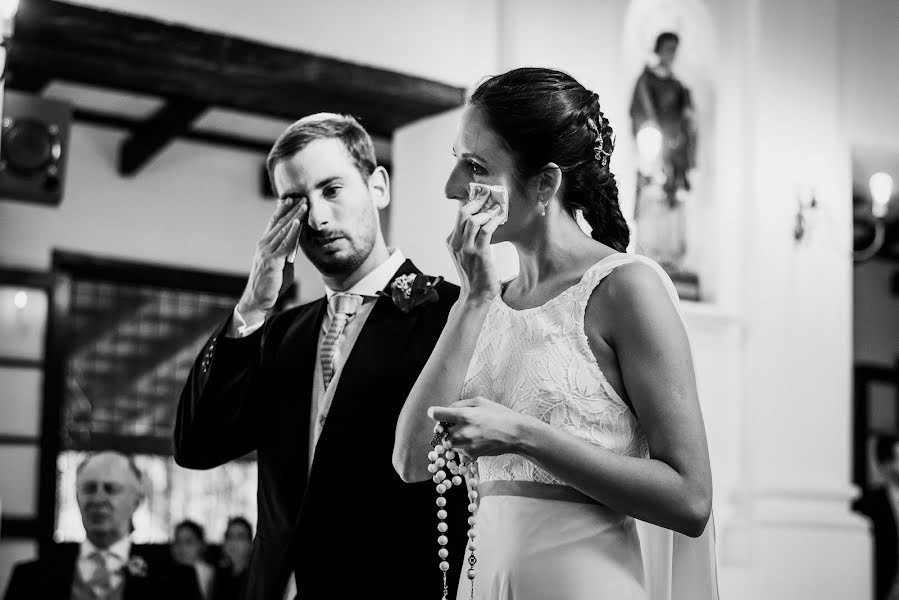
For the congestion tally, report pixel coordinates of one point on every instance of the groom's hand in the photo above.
(277, 244)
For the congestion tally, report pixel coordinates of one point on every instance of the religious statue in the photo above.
(663, 122)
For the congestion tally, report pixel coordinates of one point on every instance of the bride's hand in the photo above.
(481, 427)
(469, 245)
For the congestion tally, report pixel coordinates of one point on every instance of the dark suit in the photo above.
(875, 503)
(51, 577)
(351, 527)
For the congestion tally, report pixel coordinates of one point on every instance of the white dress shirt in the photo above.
(116, 556)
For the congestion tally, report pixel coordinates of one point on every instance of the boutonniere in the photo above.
(137, 566)
(413, 289)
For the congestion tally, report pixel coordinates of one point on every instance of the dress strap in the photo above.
(604, 267)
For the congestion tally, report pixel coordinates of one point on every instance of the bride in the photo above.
(572, 384)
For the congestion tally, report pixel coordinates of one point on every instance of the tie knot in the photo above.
(346, 304)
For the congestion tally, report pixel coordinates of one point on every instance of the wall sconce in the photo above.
(806, 200)
(880, 186)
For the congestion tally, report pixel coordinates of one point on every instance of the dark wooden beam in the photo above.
(155, 133)
(108, 49)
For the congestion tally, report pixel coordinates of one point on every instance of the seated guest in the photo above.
(231, 577)
(106, 566)
(881, 505)
(188, 549)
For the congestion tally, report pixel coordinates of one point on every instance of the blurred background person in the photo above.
(231, 576)
(106, 565)
(189, 549)
(881, 505)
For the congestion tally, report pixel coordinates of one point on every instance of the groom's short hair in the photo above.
(320, 126)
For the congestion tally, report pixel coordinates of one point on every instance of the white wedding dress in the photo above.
(538, 539)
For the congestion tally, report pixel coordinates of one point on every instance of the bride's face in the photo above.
(483, 157)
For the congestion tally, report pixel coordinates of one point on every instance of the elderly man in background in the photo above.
(106, 566)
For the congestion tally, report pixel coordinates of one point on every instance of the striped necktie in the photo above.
(101, 581)
(345, 306)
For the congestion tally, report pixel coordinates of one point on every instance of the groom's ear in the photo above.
(548, 180)
(379, 187)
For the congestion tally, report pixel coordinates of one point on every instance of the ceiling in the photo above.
(163, 81)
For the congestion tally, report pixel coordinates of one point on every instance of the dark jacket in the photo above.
(875, 503)
(51, 577)
(350, 527)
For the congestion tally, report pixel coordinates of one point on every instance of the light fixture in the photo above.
(8, 10)
(880, 186)
(649, 143)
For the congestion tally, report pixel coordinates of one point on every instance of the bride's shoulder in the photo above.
(628, 281)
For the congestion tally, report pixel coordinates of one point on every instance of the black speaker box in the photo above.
(34, 148)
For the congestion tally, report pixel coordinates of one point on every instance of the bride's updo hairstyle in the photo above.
(546, 116)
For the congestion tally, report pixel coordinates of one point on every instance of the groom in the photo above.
(316, 390)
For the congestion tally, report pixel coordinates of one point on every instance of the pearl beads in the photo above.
(442, 459)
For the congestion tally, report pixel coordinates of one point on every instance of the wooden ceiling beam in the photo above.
(173, 119)
(57, 40)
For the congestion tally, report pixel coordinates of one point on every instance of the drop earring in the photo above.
(543, 207)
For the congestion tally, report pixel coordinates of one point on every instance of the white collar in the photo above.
(378, 279)
(121, 549)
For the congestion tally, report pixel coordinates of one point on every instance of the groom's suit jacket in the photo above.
(348, 526)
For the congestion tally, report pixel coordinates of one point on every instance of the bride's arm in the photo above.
(440, 382)
(673, 488)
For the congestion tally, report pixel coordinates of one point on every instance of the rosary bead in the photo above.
(436, 478)
(432, 456)
(439, 449)
(442, 527)
(457, 480)
(443, 553)
(471, 573)
(450, 455)
(432, 468)
(472, 520)
(472, 534)
(447, 483)
(442, 540)
(472, 495)
(463, 469)
(441, 514)
(441, 501)
(472, 482)
(440, 462)
(440, 476)
(472, 546)
(441, 488)
(447, 444)
(444, 566)
(472, 507)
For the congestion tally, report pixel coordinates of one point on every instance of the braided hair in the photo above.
(545, 116)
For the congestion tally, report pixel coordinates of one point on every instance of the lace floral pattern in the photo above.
(538, 362)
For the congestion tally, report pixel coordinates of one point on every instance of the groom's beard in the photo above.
(334, 254)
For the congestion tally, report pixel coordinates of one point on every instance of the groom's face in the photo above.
(342, 223)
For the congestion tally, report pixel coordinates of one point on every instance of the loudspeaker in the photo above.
(34, 148)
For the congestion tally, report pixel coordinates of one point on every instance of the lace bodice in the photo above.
(538, 362)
